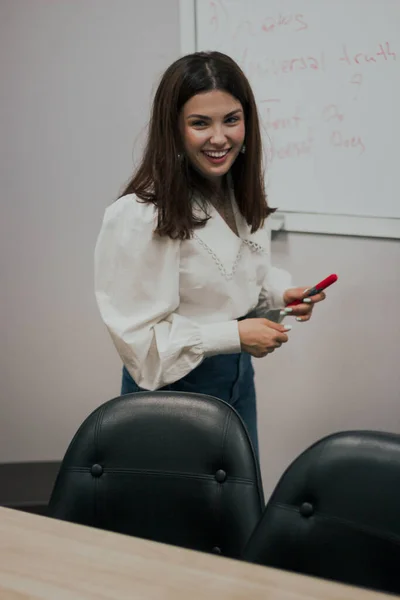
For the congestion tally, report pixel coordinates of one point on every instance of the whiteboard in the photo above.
(326, 79)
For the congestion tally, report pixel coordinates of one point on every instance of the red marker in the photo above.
(322, 285)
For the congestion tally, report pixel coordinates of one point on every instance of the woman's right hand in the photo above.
(260, 337)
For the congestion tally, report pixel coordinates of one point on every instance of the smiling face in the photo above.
(213, 130)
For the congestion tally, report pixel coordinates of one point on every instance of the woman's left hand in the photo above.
(302, 311)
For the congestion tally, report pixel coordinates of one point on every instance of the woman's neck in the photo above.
(211, 190)
(220, 188)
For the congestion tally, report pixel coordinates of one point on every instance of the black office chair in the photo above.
(173, 467)
(335, 513)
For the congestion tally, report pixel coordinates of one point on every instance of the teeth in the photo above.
(217, 154)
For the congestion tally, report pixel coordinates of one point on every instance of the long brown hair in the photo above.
(165, 176)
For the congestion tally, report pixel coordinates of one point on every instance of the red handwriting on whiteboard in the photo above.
(291, 122)
(297, 22)
(221, 3)
(243, 28)
(331, 112)
(214, 17)
(356, 80)
(383, 53)
(216, 6)
(287, 122)
(292, 65)
(295, 149)
(341, 141)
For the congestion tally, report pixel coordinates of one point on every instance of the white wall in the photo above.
(77, 77)
(341, 370)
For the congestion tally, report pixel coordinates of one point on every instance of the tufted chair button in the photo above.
(220, 476)
(96, 470)
(216, 550)
(306, 509)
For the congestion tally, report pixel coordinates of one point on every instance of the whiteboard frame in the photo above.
(298, 221)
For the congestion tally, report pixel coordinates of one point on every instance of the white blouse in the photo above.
(168, 304)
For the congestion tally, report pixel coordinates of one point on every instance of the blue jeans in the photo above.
(229, 377)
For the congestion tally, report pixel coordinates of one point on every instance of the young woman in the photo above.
(182, 263)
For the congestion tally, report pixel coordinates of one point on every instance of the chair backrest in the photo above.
(335, 513)
(173, 467)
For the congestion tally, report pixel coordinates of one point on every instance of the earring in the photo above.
(180, 156)
(243, 149)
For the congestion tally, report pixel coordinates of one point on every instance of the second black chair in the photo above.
(335, 513)
(172, 467)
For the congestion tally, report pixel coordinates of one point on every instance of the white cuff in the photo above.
(220, 338)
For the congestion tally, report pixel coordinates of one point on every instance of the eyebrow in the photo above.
(204, 117)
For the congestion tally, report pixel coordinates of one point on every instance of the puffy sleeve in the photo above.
(275, 283)
(137, 291)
